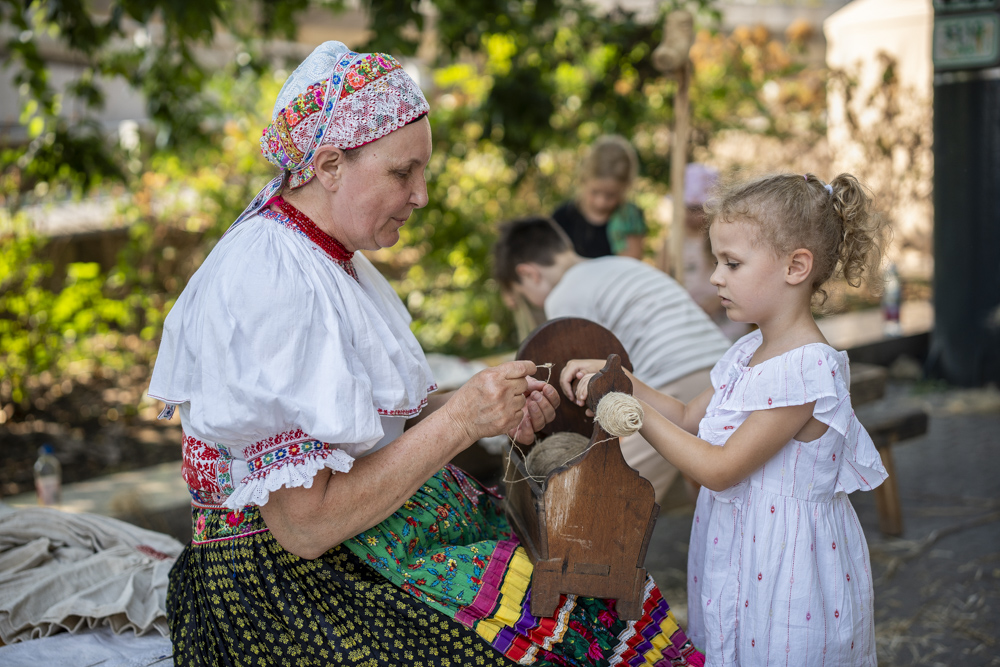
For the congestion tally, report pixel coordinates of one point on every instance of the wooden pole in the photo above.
(672, 58)
(678, 164)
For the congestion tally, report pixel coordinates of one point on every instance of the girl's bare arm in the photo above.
(575, 380)
(758, 439)
(685, 415)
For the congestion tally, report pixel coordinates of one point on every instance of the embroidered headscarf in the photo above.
(336, 97)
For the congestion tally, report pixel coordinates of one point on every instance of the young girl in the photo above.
(602, 221)
(778, 567)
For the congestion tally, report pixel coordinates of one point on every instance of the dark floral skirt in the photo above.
(440, 582)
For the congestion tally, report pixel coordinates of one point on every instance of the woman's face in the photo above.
(380, 188)
(599, 197)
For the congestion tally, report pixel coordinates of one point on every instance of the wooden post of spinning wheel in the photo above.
(586, 527)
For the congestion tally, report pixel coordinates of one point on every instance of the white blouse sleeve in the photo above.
(284, 362)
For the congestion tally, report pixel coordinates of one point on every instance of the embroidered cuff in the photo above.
(291, 465)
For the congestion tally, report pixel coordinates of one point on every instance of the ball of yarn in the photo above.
(556, 450)
(619, 414)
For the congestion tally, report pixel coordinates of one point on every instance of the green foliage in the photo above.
(528, 44)
(508, 135)
(20, 297)
(45, 331)
(104, 322)
(750, 79)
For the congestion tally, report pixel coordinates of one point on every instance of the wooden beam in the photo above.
(678, 164)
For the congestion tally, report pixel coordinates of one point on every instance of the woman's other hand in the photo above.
(539, 410)
(573, 373)
(493, 401)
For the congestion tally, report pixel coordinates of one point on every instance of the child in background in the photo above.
(602, 221)
(778, 567)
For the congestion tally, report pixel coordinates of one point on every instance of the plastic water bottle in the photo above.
(891, 297)
(48, 476)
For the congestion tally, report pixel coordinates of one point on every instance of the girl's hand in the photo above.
(574, 371)
(582, 389)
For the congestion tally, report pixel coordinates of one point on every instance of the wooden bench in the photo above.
(887, 426)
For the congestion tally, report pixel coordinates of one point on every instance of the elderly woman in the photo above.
(325, 533)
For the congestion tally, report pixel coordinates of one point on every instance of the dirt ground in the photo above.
(95, 430)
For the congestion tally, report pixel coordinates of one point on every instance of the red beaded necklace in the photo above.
(330, 245)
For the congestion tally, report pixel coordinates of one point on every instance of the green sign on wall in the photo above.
(966, 41)
(944, 6)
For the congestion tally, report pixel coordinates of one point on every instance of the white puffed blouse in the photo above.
(283, 363)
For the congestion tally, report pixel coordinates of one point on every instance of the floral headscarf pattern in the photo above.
(335, 97)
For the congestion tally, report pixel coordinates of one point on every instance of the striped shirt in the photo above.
(666, 334)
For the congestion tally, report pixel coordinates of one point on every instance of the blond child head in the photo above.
(606, 175)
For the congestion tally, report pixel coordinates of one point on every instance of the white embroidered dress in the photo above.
(284, 361)
(778, 567)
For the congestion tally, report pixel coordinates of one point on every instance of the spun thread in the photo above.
(619, 414)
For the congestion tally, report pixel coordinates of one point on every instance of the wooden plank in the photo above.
(888, 427)
(890, 512)
(593, 518)
(598, 515)
(867, 383)
(913, 343)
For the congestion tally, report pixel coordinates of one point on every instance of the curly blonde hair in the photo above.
(837, 222)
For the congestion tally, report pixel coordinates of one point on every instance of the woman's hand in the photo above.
(539, 410)
(494, 401)
(578, 371)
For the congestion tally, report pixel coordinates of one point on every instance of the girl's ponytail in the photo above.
(865, 233)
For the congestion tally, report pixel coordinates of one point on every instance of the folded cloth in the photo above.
(61, 571)
(99, 646)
